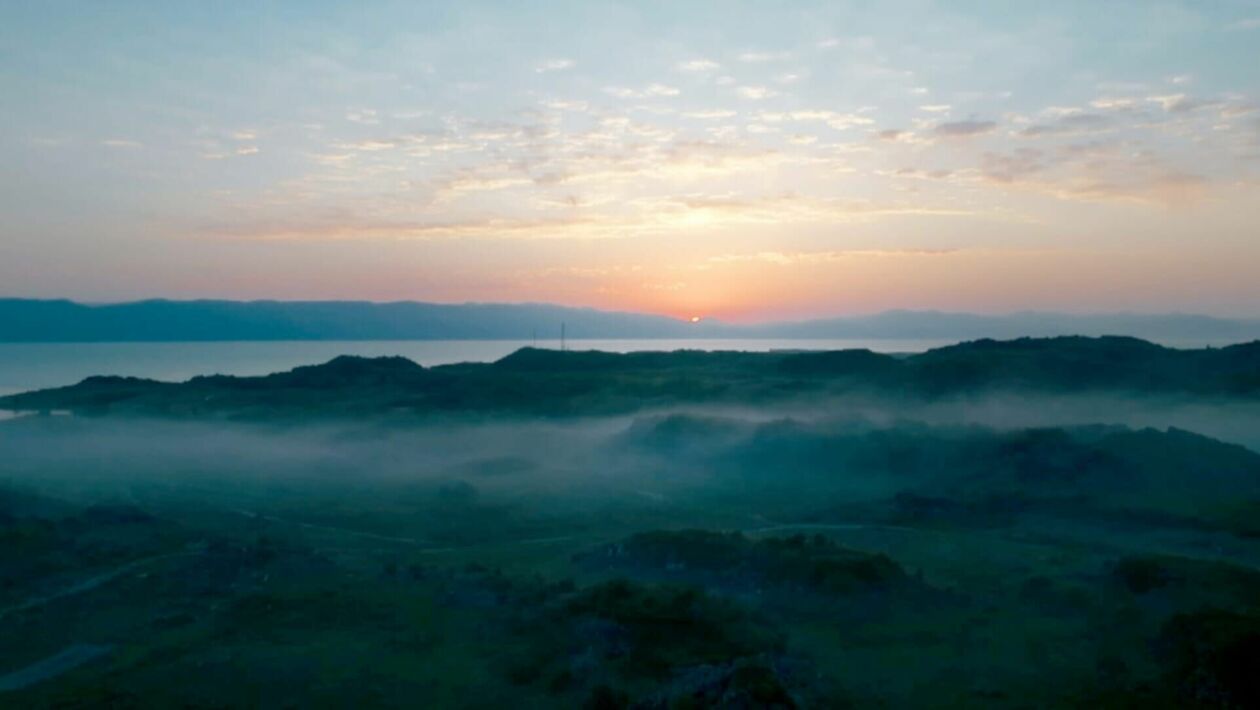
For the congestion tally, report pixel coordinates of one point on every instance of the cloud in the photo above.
(780, 258)
(962, 129)
(1113, 103)
(1094, 172)
(563, 105)
(1069, 124)
(918, 174)
(1168, 189)
(483, 184)
(845, 121)
(350, 228)
(371, 145)
(1235, 110)
(120, 143)
(698, 66)
(1060, 111)
(247, 150)
(784, 209)
(365, 116)
(1180, 103)
(1013, 167)
(551, 65)
(636, 168)
(1169, 102)
(1249, 23)
(756, 93)
(649, 91)
(900, 135)
(329, 159)
(642, 216)
(762, 57)
(620, 156)
(838, 121)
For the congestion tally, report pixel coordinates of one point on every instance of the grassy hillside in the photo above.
(533, 381)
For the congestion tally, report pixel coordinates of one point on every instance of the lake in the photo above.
(28, 366)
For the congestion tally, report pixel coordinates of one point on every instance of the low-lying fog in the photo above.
(552, 457)
(905, 531)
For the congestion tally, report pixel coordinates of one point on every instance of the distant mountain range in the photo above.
(28, 320)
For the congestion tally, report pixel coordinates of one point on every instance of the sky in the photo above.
(741, 160)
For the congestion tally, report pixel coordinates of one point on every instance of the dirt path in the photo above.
(88, 584)
(67, 660)
(328, 528)
(424, 546)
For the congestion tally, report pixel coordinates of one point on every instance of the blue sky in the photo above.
(748, 160)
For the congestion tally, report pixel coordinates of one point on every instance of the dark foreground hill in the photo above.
(534, 381)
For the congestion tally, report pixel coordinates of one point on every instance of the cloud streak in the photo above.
(553, 65)
(964, 129)
(779, 258)
(698, 66)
